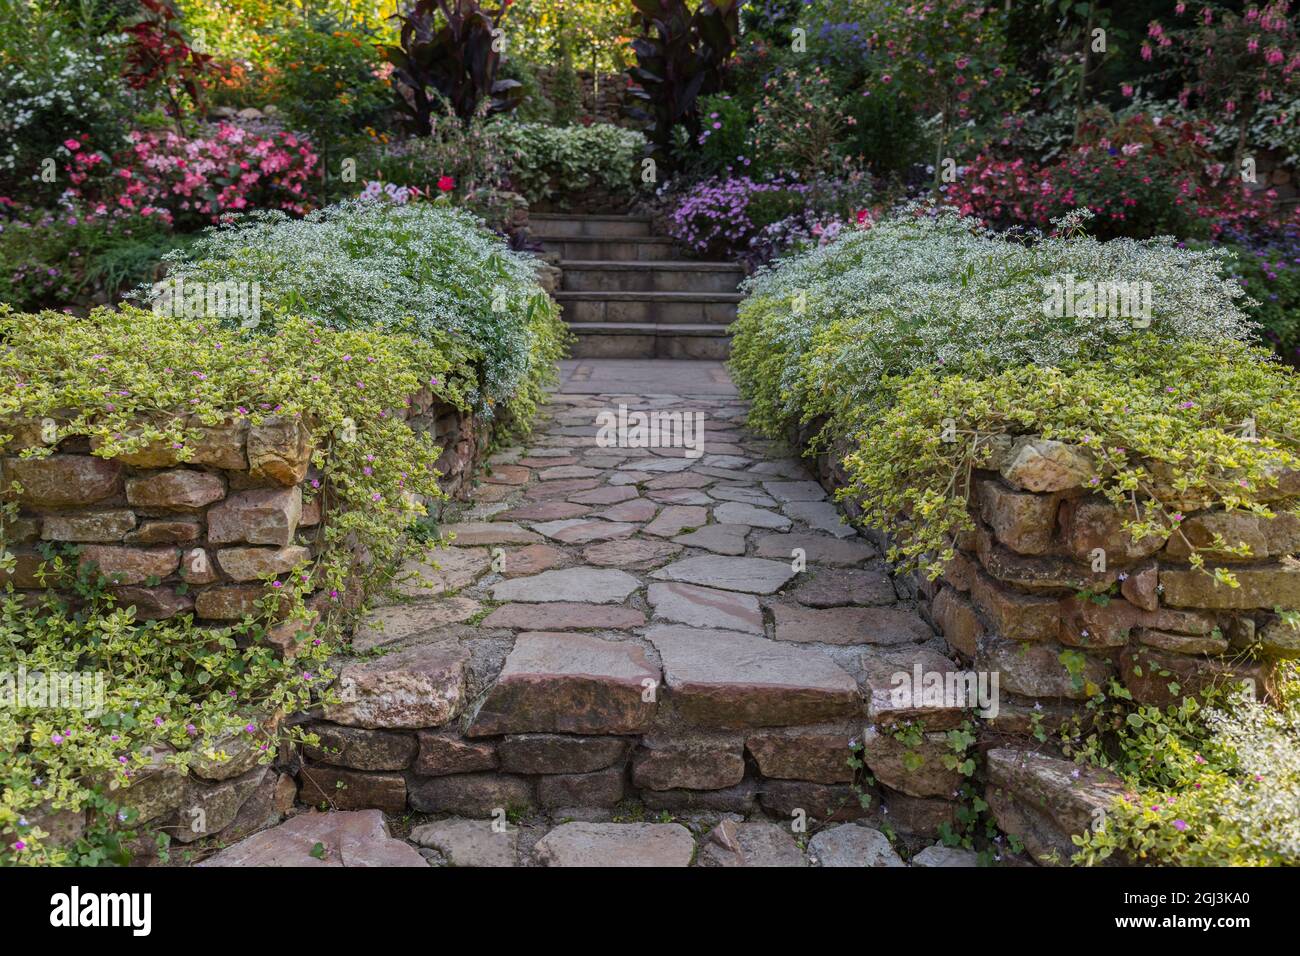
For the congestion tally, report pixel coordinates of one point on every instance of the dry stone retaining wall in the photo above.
(197, 537)
(1048, 571)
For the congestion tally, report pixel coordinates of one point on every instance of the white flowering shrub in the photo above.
(820, 330)
(430, 269)
(58, 90)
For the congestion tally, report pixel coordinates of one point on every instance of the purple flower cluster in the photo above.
(713, 215)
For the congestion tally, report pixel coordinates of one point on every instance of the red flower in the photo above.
(446, 184)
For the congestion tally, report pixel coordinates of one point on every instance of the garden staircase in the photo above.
(625, 294)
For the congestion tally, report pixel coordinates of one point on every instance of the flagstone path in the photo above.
(583, 569)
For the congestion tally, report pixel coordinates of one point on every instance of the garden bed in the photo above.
(1110, 539)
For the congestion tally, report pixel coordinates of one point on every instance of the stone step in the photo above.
(669, 276)
(629, 340)
(657, 308)
(552, 225)
(628, 249)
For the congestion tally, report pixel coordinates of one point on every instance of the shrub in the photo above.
(719, 216)
(1214, 786)
(431, 269)
(939, 292)
(723, 142)
(1268, 267)
(195, 181)
(160, 60)
(327, 83)
(1141, 177)
(469, 154)
(60, 88)
(448, 53)
(175, 685)
(1163, 421)
(680, 55)
(549, 162)
(57, 259)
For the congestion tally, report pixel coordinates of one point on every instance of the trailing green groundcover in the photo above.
(921, 347)
(169, 682)
(428, 268)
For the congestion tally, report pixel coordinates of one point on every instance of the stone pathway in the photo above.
(698, 623)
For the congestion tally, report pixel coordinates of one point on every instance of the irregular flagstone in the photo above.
(752, 575)
(620, 478)
(634, 509)
(507, 475)
(616, 844)
(728, 474)
(489, 533)
(680, 496)
(592, 585)
(675, 519)
(781, 468)
(756, 843)
(706, 607)
(549, 490)
(545, 461)
(348, 838)
(570, 683)
(470, 842)
(851, 845)
(569, 471)
(420, 686)
(682, 479)
(745, 494)
(727, 461)
(729, 680)
(817, 548)
(602, 461)
(397, 622)
(494, 493)
(833, 587)
(545, 511)
(442, 570)
(849, 625)
(635, 553)
(564, 616)
(737, 512)
(718, 538)
(665, 464)
(584, 530)
(821, 516)
(795, 490)
(533, 559)
(549, 453)
(608, 495)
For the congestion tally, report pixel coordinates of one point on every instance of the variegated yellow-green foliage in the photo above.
(1166, 423)
(1215, 785)
(168, 682)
